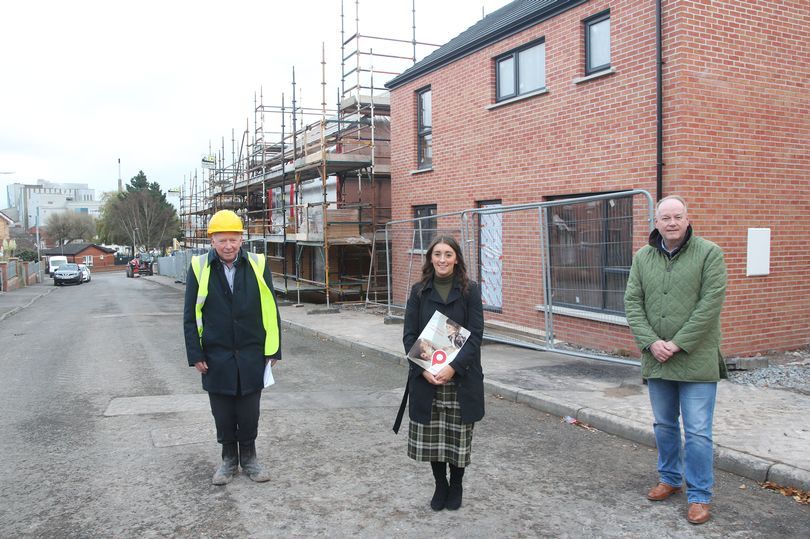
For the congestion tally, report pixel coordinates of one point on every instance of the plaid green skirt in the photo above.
(445, 438)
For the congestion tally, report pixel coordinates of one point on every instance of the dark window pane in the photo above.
(591, 251)
(614, 291)
(425, 228)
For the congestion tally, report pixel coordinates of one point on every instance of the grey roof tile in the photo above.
(508, 20)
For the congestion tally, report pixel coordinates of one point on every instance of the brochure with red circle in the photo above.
(439, 343)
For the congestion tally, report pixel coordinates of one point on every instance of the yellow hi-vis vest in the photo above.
(202, 271)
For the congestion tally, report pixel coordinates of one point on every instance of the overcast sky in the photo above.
(85, 83)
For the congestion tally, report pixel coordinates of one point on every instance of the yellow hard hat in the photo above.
(224, 221)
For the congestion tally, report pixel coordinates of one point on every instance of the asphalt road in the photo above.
(107, 433)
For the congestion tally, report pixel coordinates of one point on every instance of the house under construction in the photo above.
(313, 198)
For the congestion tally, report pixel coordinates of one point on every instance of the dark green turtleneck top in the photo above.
(443, 286)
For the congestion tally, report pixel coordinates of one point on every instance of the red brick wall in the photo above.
(735, 115)
(18, 280)
(738, 146)
(101, 259)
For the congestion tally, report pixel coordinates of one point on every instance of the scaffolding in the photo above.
(316, 193)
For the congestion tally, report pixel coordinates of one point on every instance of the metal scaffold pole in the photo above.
(273, 183)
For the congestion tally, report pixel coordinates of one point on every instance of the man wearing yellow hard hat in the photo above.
(232, 331)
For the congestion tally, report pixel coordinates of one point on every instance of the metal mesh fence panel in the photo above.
(174, 266)
(506, 259)
(552, 274)
(406, 250)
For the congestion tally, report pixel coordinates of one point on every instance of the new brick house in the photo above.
(548, 99)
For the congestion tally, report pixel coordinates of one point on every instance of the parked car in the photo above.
(85, 273)
(54, 262)
(67, 273)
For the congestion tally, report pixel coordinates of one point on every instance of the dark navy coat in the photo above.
(468, 311)
(233, 332)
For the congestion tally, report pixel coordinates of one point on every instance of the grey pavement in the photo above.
(14, 300)
(759, 433)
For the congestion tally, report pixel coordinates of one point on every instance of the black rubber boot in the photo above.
(230, 462)
(437, 503)
(455, 490)
(250, 464)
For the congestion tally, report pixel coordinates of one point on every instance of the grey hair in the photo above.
(671, 197)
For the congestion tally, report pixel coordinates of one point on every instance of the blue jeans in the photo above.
(694, 460)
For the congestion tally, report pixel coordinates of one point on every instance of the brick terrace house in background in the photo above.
(94, 256)
(12, 274)
(559, 98)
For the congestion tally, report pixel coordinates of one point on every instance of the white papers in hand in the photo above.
(268, 375)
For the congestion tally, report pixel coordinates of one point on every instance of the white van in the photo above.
(54, 262)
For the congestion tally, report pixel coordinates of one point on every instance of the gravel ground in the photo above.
(785, 370)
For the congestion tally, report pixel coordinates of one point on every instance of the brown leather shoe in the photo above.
(698, 513)
(661, 492)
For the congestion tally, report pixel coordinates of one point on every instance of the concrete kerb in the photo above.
(742, 464)
(12, 312)
(18, 308)
(760, 469)
(618, 426)
(366, 350)
(786, 475)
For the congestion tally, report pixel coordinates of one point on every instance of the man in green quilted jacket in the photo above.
(673, 300)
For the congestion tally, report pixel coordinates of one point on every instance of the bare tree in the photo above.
(83, 227)
(66, 226)
(57, 228)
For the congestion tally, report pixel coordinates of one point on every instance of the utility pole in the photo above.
(40, 277)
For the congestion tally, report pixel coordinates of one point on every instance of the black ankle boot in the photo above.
(455, 490)
(437, 503)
